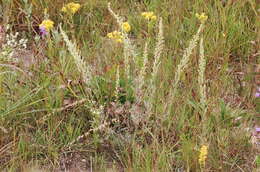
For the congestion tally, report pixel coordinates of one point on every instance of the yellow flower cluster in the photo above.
(126, 27)
(149, 15)
(202, 17)
(203, 155)
(47, 24)
(117, 36)
(71, 8)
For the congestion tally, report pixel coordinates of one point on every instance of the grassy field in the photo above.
(135, 86)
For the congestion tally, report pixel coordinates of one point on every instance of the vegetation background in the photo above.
(76, 100)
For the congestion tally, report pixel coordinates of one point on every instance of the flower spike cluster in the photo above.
(71, 8)
(203, 155)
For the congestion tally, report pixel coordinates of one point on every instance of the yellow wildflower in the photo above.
(153, 17)
(202, 17)
(110, 35)
(64, 9)
(149, 15)
(126, 27)
(203, 155)
(47, 24)
(119, 40)
(71, 8)
(117, 36)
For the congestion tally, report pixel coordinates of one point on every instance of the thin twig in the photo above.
(64, 108)
(86, 134)
(16, 68)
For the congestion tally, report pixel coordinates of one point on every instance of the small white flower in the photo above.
(8, 42)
